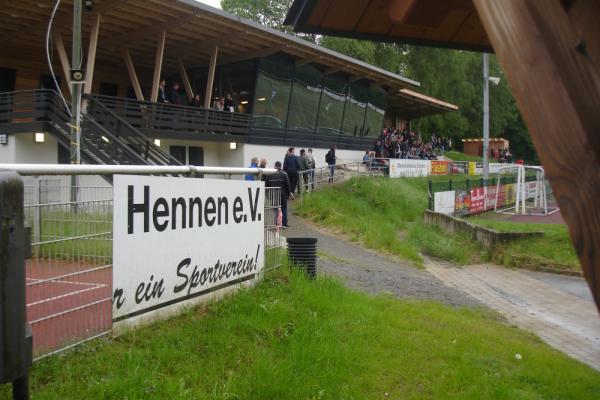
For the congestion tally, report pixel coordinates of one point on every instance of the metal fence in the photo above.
(317, 178)
(69, 266)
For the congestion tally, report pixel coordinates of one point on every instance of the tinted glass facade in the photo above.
(306, 98)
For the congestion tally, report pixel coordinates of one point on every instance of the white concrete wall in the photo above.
(23, 150)
(277, 153)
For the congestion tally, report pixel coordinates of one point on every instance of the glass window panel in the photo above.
(375, 112)
(355, 109)
(305, 99)
(273, 91)
(332, 105)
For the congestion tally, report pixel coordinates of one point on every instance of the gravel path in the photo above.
(366, 271)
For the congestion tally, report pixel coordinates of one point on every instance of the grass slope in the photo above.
(554, 249)
(289, 338)
(386, 214)
(458, 156)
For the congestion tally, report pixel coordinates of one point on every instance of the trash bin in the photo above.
(302, 252)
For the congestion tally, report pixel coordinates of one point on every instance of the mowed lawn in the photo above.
(289, 338)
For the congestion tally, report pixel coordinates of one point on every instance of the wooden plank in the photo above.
(211, 77)
(135, 82)
(91, 58)
(62, 56)
(160, 49)
(186, 80)
(556, 87)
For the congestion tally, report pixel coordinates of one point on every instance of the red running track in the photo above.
(67, 302)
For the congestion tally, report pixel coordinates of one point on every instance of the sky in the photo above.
(214, 3)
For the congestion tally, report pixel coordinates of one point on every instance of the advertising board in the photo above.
(178, 241)
(439, 167)
(409, 168)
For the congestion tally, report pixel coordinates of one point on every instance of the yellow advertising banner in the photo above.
(509, 193)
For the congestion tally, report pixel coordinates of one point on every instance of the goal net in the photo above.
(529, 190)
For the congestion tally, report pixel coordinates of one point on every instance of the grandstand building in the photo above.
(285, 91)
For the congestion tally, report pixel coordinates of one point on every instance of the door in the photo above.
(178, 153)
(196, 156)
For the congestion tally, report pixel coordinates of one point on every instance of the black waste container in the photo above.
(302, 252)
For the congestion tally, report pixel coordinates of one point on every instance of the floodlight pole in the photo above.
(76, 88)
(486, 115)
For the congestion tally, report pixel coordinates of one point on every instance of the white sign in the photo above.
(177, 240)
(409, 168)
(443, 202)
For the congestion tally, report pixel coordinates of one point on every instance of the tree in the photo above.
(451, 75)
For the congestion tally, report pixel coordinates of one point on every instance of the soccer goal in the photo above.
(529, 191)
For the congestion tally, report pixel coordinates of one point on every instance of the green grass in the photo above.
(289, 338)
(386, 214)
(458, 156)
(553, 250)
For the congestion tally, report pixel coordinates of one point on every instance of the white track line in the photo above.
(65, 295)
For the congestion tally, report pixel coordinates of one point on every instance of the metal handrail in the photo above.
(190, 170)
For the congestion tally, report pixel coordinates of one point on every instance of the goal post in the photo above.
(530, 194)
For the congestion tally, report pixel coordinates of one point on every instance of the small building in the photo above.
(474, 146)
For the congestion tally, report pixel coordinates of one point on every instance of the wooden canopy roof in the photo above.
(441, 23)
(192, 30)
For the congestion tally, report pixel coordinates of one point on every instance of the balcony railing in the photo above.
(161, 119)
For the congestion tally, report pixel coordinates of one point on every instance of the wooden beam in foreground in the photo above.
(553, 77)
(186, 80)
(64, 59)
(211, 77)
(91, 58)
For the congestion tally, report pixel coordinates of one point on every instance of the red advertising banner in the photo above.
(477, 200)
(440, 167)
(490, 197)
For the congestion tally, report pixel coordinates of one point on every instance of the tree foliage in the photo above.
(451, 75)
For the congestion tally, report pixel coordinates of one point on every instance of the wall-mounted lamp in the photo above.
(244, 102)
(233, 146)
(105, 139)
(3, 138)
(157, 142)
(262, 99)
(494, 80)
(39, 137)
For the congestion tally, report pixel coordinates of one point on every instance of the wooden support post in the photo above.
(132, 74)
(553, 77)
(64, 60)
(211, 76)
(185, 79)
(160, 48)
(91, 58)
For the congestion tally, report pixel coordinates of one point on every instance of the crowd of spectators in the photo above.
(174, 96)
(393, 143)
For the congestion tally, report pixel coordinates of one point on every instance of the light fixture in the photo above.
(157, 142)
(244, 102)
(262, 99)
(3, 138)
(233, 146)
(105, 139)
(39, 137)
(494, 80)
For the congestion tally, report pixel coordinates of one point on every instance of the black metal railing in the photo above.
(162, 119)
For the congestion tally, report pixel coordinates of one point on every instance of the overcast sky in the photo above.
(214, 3)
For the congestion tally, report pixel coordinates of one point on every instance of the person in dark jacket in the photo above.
(196, 102)
(162, 95)
(330, 160)
(176, 97)
(281, 180)
(291, 166)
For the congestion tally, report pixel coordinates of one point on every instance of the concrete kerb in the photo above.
(489, 238)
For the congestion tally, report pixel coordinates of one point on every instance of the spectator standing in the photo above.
(228, 103)
(263, 163)
(291, 166)
(196, 101)
(176, 98)
(253, 164)
(304, 163)
(330, 160)
(162, 95)
(313, 165)
(281, 180)
(367, 159)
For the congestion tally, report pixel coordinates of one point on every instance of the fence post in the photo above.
(468, 184)
(430, 184)
(37, 214)
(15, 335)
(449, 184)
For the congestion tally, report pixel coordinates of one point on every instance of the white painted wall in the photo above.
(277, 153)
(8, 151)
(22, 149)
